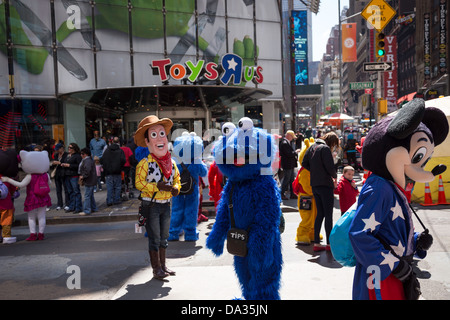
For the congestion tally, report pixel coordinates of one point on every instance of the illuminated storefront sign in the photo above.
(300, 44)
(232, 67)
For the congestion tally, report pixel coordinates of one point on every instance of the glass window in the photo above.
(238, 29)
(267, 10)
(148, 30)
(113, 69)
(26, 123)
(74, 25)
(33, 71)
(240, 9)
(4, 80)
(112, 26)
(76, 70)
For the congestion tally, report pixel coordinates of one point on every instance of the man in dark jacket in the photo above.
(319, 162)
(88, 178)
(59, 157)
(288, 164)
(113, 160)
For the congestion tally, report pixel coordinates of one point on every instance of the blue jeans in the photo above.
(157, 225)
(73, 188)
(89, 200)
(113, 187)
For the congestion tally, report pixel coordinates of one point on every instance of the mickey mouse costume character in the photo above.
(382, 234)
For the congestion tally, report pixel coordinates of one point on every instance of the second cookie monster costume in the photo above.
(245, 156)
(187, 149)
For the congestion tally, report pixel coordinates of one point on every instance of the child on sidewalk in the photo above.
(99, 170)
(347, 189)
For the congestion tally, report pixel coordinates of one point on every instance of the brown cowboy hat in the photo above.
(148, 122)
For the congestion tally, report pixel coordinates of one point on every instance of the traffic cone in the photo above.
(441, 194)
(427, 199)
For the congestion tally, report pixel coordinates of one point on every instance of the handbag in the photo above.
(236, 238)
(53, 173)
(305, 202)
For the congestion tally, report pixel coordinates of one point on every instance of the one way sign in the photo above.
(377, 66)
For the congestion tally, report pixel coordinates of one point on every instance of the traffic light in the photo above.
(382, 106)
(379, 45)
(314, 6)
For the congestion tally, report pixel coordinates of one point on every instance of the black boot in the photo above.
(158, 272)
(162, 259)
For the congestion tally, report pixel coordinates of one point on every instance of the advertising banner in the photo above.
(300, 46)
(427, 46)
(349, 42)
(390, 77)
(443, 37)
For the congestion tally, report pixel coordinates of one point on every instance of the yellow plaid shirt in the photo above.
(148, 174)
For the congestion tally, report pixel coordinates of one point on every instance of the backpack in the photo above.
(341, 248)
(187, 182)
(41, 188)
(296, 185)
(3, 190)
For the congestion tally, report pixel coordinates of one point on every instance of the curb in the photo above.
(113, 214)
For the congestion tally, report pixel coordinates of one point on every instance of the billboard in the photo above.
(300, 45)
(390, 77)
(64, 46)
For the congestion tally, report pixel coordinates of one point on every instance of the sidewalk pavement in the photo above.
(127, 210)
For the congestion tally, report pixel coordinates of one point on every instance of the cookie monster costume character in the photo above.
(8, 168)
(308, 210)
(382, 233)
(244, 155)
(187, 151)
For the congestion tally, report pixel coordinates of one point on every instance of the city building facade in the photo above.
(69, 68)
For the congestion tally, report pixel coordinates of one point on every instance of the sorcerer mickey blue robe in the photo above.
(382, 210)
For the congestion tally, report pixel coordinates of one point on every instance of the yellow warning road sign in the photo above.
(378, 13)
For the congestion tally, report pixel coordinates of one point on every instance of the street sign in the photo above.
(378, 13)
(361, 85)
(377, 66)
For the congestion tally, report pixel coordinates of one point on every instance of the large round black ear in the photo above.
(437, 122)
(407, 119)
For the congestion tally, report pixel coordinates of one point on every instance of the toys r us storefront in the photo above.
(69, 68)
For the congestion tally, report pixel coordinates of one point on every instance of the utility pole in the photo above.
(340, 56)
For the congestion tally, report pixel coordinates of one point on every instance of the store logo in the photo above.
(231, 67)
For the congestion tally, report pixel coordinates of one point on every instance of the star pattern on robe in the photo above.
(389, 259)
(397, 211)
(371, 223)
(399, 249)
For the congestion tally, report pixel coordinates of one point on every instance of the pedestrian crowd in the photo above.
(113, 164)
(329, 154)
(103, 162)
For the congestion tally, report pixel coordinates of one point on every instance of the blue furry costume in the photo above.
(189, 150)
(244, 155)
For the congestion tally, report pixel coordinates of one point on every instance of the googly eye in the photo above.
(162, 133)
(153, 135)
(228, 128)
(419, 155)
(245, 124)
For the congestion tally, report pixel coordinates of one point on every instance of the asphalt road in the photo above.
(108, 260)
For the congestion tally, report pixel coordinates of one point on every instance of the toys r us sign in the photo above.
(232, 67)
